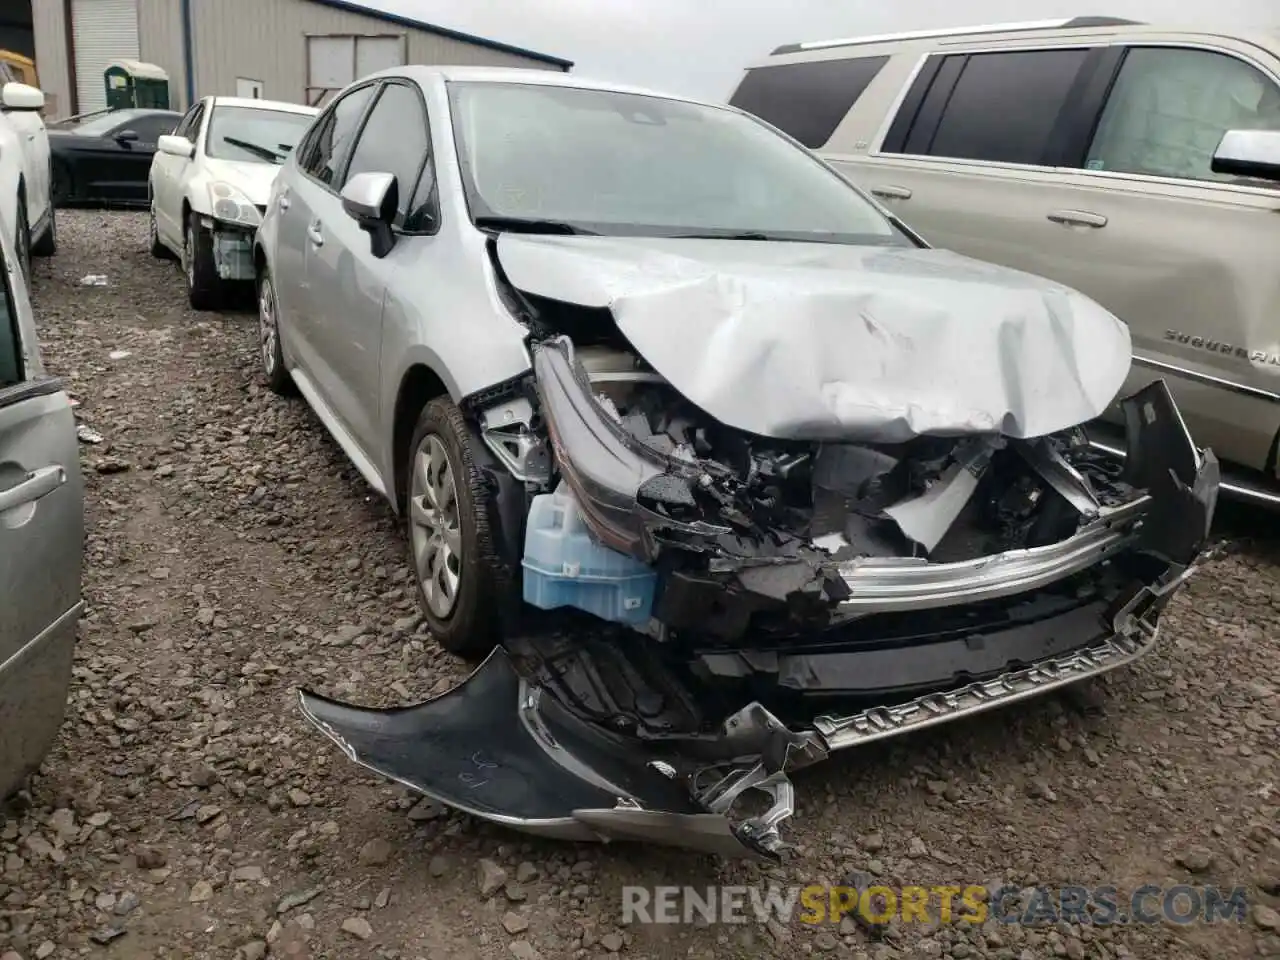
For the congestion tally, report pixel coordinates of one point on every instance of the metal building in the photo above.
(297, 50)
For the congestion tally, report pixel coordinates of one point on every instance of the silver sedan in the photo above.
(643, 364)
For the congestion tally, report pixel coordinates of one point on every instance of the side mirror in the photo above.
(371, 200)
(176, 146)
(19, 96)
(1249, 153)
(127, 136)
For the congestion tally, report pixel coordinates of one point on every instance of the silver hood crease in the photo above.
(839, 342)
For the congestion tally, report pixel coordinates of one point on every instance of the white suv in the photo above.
(25, 208)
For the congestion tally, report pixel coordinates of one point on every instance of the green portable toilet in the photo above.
(131, 83)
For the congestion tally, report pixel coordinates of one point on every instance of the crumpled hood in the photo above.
(252, 179)
(825, 341)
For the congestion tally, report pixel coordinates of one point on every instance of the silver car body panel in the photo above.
(876, 344)
(41, 543)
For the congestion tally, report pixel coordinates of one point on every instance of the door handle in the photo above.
(314, 234)
(890, 192)
(39, 483)
(284, 203)
(1078, 218)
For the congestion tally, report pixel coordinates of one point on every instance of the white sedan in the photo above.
(25, 209)
(209, 185)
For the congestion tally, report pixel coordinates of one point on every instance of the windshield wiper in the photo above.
(265, 152)
(743, 235)
(531, 225)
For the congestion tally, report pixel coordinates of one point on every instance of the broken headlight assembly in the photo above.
(229, 204)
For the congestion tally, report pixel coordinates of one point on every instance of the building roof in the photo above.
(410, 22)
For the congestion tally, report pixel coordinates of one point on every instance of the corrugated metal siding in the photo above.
(266, 41)
(50, 25)
(104, 30)
(160, 40)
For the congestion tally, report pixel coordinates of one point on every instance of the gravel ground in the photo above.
(234, 555)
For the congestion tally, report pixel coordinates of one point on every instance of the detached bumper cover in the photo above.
(502, 751)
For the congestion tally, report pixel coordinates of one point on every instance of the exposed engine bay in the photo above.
(720, 608)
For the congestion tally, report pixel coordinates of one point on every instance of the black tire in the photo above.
(22, 240)
(204, 288)
(158, 249)
(271, 353)
(471, 629)
(61, 184)
(46, 245)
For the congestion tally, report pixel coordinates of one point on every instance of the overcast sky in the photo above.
(698, 47)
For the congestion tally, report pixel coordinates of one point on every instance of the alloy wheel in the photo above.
(267, 330)
(436, 535)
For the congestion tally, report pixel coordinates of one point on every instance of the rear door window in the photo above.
(999, 107)
(1170, 107)
(806, 100)
(330, 144)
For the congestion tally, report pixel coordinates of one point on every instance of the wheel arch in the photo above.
(419, 385)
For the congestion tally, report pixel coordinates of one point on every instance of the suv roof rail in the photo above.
(1066, 23)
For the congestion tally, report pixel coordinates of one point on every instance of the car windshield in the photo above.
(253, 133)
(577, 160)
(97, 126)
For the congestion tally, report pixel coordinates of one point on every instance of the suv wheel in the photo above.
(448, 529)
(204, 288)
(278, 378)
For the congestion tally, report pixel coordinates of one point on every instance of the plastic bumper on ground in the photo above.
(503, 751)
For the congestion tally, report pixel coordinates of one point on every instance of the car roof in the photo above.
(553, 78)
(254, 103)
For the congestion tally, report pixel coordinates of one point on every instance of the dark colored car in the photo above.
(106, 158)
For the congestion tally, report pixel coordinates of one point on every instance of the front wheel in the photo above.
(22, 240)
(278, 379)
(204, 288)
(47, 244)
(158, 249)
(450, 534)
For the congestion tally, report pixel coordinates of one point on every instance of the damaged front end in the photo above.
(767, 602)
(232, 225)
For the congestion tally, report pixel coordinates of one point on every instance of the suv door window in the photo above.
(394, 140)
(328, 149)
(1000, 107)
(1169, 108)
(806, 100)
